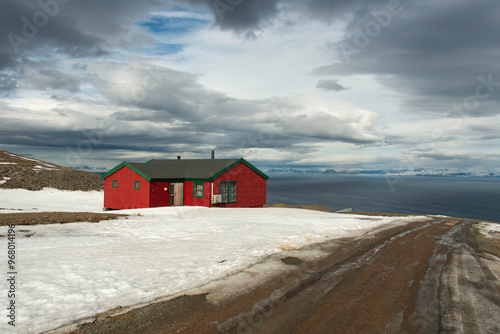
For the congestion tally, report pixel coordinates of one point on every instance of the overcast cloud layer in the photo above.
(313, 84)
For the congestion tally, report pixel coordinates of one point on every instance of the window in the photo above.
(137, 185)
(198, 189)
(115, 183)
(227, 191)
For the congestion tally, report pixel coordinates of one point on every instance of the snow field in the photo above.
(73, 271)
(48, 199)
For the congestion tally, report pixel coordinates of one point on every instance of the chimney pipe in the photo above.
(178, 157)
(213, 154)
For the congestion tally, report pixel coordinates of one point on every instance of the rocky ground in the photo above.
(40, 218)
(316, 207)
(19, 172)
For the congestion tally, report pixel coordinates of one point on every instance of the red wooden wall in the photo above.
(125, 196)
(251, 187)
(190, 200)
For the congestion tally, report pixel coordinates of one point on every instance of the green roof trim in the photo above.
(125, 164)
(243, 161)
(255, 169)
(224, 170)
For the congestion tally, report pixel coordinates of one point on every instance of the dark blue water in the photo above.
(477, 198)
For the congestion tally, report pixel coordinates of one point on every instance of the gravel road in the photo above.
(435, 276)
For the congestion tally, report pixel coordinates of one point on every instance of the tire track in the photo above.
(326, 290)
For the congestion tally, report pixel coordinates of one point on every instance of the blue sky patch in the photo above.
(173, 25)
(167, 48)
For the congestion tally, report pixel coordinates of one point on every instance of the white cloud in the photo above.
(277, 63)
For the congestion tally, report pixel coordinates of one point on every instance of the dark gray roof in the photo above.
(182, 169)
(205, 169)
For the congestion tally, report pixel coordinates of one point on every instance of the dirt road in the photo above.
(437, 276)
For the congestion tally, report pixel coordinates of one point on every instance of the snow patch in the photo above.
(490, 230)
(49, 199)
(46, 165)
(38, 168)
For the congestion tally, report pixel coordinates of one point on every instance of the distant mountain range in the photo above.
(98, 170)
(391, 172)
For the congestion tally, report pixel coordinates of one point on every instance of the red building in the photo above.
(206, 182)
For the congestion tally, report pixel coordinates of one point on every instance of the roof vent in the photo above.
(178, 157)
(213, 154)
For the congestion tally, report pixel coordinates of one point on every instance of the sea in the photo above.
(465, 197)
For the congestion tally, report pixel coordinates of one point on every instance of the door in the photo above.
(177, 194)
(160, 195)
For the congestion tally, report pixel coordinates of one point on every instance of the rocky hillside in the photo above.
(17, 171)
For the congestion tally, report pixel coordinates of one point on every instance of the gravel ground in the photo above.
(38, 218)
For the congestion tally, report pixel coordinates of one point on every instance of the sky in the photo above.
(313, 84)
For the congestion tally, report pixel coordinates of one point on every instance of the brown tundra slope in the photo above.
(19, 172)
